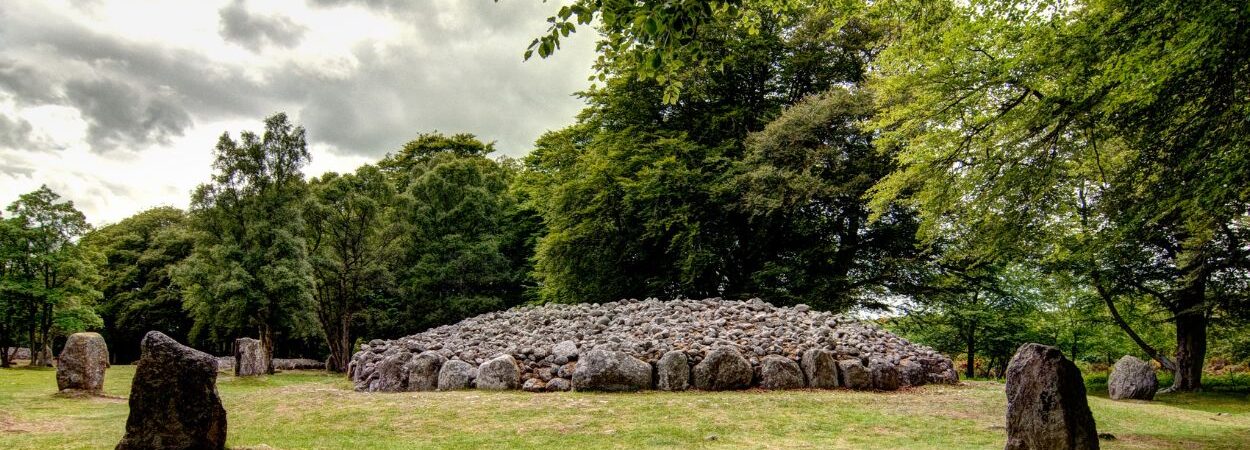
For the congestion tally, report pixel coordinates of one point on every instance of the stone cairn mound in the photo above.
(710, 344)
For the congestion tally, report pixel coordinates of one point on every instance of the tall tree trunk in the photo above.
(266, 343)
(970, 372)
(1191, 339)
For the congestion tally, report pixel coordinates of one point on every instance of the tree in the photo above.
(352, 241)
(49, 275)
(141, 254)
(249, 270)
(1105, 135)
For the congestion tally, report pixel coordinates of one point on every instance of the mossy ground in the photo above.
(314, 410)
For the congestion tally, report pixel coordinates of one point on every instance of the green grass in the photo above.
(314, 410)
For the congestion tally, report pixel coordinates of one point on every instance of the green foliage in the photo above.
(249, 271)
(47, 280)
(140, 255)
(351, 238)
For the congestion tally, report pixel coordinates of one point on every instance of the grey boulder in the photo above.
(854, 375)
(604, 370)
(500, 373)
(672, 372)
(249, 358)
(455, 375)
(1132, 378)
(721, 370)
(819, 368)
(423, 371)
(885, 376)
(779, 372)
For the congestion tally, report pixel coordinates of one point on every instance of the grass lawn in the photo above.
(314, 410)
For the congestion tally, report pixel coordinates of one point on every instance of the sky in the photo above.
(116, 104)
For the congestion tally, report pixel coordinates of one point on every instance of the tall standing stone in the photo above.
(82, 363)
(1046, 404)
(1132, 378)
(173, 399)
(249, 358)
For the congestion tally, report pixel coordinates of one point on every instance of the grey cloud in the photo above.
(14, 133)
(119, 114)
(240, 26)
(25, 84)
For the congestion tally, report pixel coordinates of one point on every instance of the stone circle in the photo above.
(506, 349)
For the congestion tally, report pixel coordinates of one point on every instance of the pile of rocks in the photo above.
(710, 344)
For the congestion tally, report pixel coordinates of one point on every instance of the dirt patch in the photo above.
(10, 424)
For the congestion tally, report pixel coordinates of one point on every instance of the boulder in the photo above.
(390, 374)
(82, 363)
(559, 384)
(534, 385)
(455, 375)
(672, 372)
(779, 372)
(173, 399)
(819, 368)
(298, 364)
(500, 373)
(721, 370)
(604, 370)
(249, 358)
(423, 371)
(854, 375)
(1132, 378)
(911, 373)
(885, 375)
(1046, 404)
(563, 352)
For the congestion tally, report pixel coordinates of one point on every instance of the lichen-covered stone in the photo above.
(723, 369)
(173, 399)
(500, 373)
(819, 368)
(779, 372)
(1046, 404)
(82, 363)
(423, 371)
(455, 375)
(672, 372)
(249, 358)
(1132, 378)
(854, 375)
(604, 370)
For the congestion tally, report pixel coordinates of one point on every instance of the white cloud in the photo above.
(116, 104)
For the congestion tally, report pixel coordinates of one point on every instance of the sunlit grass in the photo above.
(315, 410)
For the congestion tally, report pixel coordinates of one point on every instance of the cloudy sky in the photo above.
(116, 104)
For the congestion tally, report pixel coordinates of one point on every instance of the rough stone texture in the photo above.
(455, 375)
(552, 337)
(498, 374)
(854, 375)
(534, 385)
(778, 372)
(423, 371)
(17, 353)
(885, 375)
(723, 369)
(672, 372)
(819, 369)
(559, 384)
(911, 373)
(1046, 405)
(298, 364)
(82, 363)
(249, 358)
(173, 399)
(390, 374)
(605, 370)
(1132, 378)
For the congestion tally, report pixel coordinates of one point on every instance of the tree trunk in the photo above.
(1191, 339)
(969, 372)
(266, 343)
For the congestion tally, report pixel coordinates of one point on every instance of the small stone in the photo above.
(534, 385)
(559, 385)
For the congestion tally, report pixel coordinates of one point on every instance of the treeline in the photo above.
(988, 173)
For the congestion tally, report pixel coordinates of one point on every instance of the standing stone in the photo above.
(854, 375)
(82, 363)
(249, 358)
(423, 371)
(603, 370)
(455, 375)
(820, 369)
(173, 399)
(885, 376)
(721, 370)
(779, 372)
(500, 373)
(672, 372)
(1046, 405)
(1132, 378)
